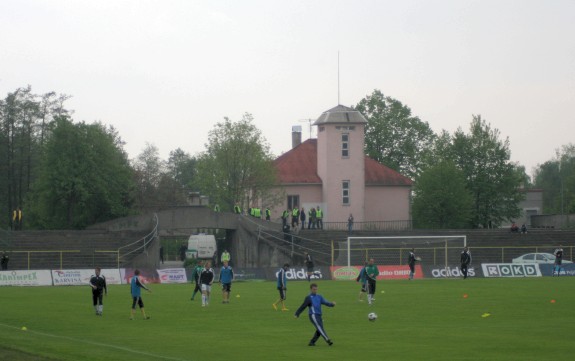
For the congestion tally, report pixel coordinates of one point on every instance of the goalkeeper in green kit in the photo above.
(371, 272)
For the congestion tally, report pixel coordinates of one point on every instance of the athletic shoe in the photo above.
(311, 344)
(330, 342)
(285, 309)
(147, 318)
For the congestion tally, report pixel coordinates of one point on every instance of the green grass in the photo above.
(418, 320)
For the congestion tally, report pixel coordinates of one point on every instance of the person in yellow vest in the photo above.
(319, 217)
(17, 219)
(285, 216)
(294, 217)
(268, 214)
(237, 209)
(226, 256)
(217, 208)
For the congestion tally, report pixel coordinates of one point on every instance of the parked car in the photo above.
(544, 258)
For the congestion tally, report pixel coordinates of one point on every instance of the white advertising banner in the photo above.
(25, 278)
(81, 277)
(172, 275)
(511, 270)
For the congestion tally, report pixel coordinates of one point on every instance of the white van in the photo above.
(201, 246)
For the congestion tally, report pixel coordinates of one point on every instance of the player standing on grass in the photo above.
(411, 261)
(282, 287)
(226, 278)
(314, 302)
(558, 260)
(206, 280)
(371, 272)
(362, 279)
(98, 284)
(309, 264)
(465, 261)
(136, 285)
(196, 277)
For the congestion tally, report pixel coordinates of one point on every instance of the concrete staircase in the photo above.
(66, 249)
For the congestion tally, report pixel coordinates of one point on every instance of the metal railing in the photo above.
(404, 225)
(129, 251)
(440, 255)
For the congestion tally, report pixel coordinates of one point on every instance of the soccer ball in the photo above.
(372, 316)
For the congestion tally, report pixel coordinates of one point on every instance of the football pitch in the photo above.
(474, 319)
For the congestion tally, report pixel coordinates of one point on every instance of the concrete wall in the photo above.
(387, 203)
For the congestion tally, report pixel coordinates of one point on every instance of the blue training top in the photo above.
(226, 275)
(282, 278)
(314, 303)
(135, 286)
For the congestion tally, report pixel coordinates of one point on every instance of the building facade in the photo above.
(333, 172)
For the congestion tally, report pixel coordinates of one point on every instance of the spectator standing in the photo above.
(285, 216)
(302, 217)
(162, 254)
(268, 214)
(312, 218)
(294, 217)
(226, 256)
(350, 224)
(4, 261)
(319, 215)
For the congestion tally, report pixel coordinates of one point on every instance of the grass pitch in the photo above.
(499, 319)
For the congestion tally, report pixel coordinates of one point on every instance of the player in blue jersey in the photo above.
(282, 287)
(226, 278)
(314, 301)
(136, 289)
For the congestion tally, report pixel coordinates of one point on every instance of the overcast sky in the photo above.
(165, 72)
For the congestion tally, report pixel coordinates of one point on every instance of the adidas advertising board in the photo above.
(299, 274)
(449, 272)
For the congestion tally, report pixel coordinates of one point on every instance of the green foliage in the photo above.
(26, 119)
(441, 199)
(85, 177)
(523, 325)
(393, 136)
(557, 179)
(236, 166)
(492, 179)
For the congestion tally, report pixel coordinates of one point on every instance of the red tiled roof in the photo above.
(299, 165)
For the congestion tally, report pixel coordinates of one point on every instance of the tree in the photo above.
(441, 199)
(557, 179)
(393, 136)
(149, 173)
(85, 177)
(236, 165)
(491, 178)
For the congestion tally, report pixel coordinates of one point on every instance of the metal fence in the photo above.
(405, 225)
(436, 255)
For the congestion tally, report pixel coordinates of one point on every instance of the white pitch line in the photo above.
(96, 344)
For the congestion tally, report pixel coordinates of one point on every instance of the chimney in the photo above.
(295, 136)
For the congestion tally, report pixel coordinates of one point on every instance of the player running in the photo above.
(196, 277)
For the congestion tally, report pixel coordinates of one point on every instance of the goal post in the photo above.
(438, 250)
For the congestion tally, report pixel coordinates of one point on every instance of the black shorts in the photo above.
(310, 268)
(282, 293)
(137, 300)
(226, 287)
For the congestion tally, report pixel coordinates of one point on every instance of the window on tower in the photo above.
(345, 145)
(345, 192)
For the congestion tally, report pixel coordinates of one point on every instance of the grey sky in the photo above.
(165, 72)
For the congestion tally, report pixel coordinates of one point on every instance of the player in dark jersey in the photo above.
(558, 260)
(99, 288)
(282, 287)
(196, 279)
(314, 301)
(206, 280)
(465, 261)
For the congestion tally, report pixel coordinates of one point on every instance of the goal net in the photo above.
(394, 250)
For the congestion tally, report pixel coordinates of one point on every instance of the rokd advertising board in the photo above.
(511, 270)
